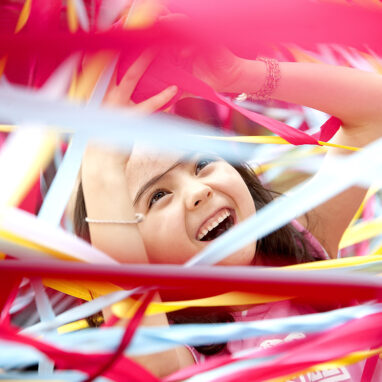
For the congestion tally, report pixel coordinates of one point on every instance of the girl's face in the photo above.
(187, 203)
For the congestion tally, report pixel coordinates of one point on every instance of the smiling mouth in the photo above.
(215, 231)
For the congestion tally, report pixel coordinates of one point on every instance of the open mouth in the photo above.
(217, 228)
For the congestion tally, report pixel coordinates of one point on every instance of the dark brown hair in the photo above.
(284, 246)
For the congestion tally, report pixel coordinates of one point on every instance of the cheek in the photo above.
(166, 240)
(233, 185)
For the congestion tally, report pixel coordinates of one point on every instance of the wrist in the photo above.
(103, 165)
(104, 174)
(252, 76)
(231, 80)
(244, 76)
(105, 182)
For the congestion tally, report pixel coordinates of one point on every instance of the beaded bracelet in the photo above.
(138, 218)
(271, 82)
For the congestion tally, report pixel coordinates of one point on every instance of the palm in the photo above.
(121, 95)
(220, 69)
(100, 161)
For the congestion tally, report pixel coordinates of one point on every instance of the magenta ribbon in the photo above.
(297, 355)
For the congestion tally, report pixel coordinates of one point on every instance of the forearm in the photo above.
(167, 362)
(106, 197)
(352, 95)
(163, 363)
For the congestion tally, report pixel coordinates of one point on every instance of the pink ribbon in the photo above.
(300, 354)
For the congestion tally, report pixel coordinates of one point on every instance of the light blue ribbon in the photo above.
(366, 165)
(119, 127)
(60, 190)
(81, 311)
(157, 339)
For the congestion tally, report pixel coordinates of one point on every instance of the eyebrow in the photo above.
(156, 178)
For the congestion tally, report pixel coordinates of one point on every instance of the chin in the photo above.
(243, 257)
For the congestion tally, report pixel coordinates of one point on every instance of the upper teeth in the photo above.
(213, 224)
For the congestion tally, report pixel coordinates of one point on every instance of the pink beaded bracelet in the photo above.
(271, 82)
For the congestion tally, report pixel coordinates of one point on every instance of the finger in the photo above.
(157, 101)
(120, 95)
(134, 74)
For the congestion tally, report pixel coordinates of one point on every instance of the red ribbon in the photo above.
(124, 369)
(312, 286)
(127, 337)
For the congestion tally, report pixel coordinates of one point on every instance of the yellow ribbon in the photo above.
(142, 14)
(360, 232)
(73, 326)
(83, 84)
(263, 139)
(46, 150)
(3, 62)
(336, 263)
(24, 16)
(25, 243)
(370, 192)
(7, 128)
(85, 290)
(122, 309)
(72, 16)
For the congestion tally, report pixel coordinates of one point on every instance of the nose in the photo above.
(197, 194)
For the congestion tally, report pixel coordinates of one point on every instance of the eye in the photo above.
(201, 163)
(156, 196)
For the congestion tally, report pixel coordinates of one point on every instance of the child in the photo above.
(189, 201)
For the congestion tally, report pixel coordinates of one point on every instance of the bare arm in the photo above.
(106, 197)
(352, 95)
(106, 194)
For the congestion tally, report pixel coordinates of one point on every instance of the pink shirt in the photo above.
(289, 308)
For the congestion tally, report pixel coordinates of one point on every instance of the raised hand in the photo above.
(103, 177)
(121, 95)
(221, 69)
